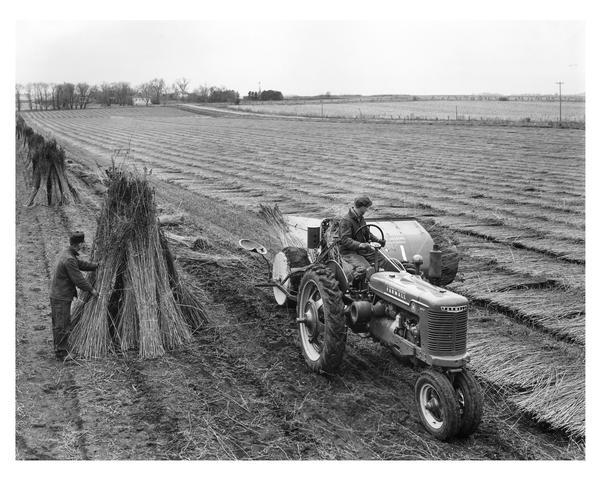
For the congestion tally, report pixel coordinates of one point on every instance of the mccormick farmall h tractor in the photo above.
(406, 310)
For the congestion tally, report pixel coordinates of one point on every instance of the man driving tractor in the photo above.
(355, 238)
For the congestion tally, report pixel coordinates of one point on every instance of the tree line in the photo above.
(70, 96)
(265, 95)
(40, 95)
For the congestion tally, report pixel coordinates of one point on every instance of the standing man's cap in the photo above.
(77, 237)
(362, 202)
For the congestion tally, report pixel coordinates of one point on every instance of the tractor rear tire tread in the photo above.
(335, 324)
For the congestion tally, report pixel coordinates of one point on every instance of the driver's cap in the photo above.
(77, 237)
(362, 202)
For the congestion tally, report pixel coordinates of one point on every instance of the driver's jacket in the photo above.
(349, 225)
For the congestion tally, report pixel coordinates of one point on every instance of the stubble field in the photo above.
(511, 198)
(427, 109)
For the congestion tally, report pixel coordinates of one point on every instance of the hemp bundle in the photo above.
(142, 303)
(46, 162)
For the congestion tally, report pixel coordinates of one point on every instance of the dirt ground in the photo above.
(241, 389)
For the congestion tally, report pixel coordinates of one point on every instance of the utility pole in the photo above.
(560, 102)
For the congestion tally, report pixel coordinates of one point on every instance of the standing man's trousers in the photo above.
(61, 325)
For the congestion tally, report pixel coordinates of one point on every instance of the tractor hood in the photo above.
(402, 288)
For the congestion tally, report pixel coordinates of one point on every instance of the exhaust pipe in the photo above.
(435, 266)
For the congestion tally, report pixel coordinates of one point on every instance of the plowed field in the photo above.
(513, 199)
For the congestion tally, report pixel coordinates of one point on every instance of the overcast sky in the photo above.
(312, 56)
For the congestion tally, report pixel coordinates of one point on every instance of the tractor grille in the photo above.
(447, 333)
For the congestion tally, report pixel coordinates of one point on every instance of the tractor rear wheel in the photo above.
(284, 261)
(437, 404)
(470, 401)
(321, 322)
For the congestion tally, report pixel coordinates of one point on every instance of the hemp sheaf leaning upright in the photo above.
(143, 306)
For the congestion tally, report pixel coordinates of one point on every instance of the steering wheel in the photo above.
(368, 225)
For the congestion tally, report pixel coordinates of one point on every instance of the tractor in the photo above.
(407, 309)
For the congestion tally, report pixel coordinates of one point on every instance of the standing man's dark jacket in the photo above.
(68, 275)
(349, 225)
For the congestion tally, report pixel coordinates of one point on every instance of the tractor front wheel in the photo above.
(470, 401)
(437, 404)
(321, 321)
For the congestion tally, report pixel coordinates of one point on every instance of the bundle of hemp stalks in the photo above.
(273, 216)
(142, 303)
(47, 167)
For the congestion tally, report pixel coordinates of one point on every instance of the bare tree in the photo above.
(47, 95)
(68, 95)
(105, 94)
(145, 91)
(83, 94)
(35, 90)
(92, 95)
(18, 89)
(39, 90)
(182, 85)
(55, 94)
(202, 92)
(28, 89)
(123, 93)
(157, 87)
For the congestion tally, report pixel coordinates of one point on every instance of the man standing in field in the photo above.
(354, 244)
(67, 276)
